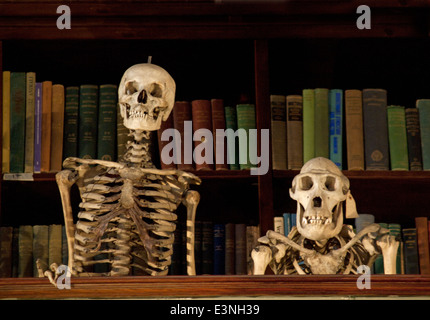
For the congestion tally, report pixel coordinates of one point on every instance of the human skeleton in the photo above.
(127, 216)
(321, 243)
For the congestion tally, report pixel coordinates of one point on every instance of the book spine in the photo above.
(278, 225)
(40, 247)
(29, 121)
(71, 114)
(229, 248)
(57, 127)
(202, 123)
(182, 112)
(423, 106)
(411, 251)
(55, 244)
(198, 246)
(413, 139)
(219, 249)
(106, 134)
(294, 105)
(38, 128)
(376, 147)
(232, 146)
(218, 123)
(279, 131)
(336, 126)
(308, 124)
(207, 247)
(397, 138)
(246, 121)
(46, 126)
(421, 224)
(6, 234)
(240, 249)
(88, 99)
(25, 251)
(322, 123)
(17, 121)
(122, 135)
(287, 223)
(6, 123)
(354, 129)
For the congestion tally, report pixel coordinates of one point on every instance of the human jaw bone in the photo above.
(146, 96)
(319, 190)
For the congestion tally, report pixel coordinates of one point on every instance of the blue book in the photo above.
(293, 219)
(219, 249)
(336, 119)
(287, 223)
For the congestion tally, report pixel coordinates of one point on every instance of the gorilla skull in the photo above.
(146, 96)
(319, 190)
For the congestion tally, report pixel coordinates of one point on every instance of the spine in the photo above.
(240, 249)
(411, 251)
(6, 123)
(46, 126)
(29, 122)
(38, 128)
(57, 127)
(246, 121)
(279, 132)
(336, 126)
(294, 132)
(397, 138)
(88, 99)
(421, 224)
(219, 249)
(106, 135)
(218, 123)
(71, 115)
(354, 129)
(202, 119)
(413, 139)
(232, 143)
(308, 124)
(229, 248)
(423, 106)
(322, 123)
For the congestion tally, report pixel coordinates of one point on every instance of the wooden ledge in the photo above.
(213, 286)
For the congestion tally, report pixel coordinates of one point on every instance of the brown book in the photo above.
(6, 234)
(202, 119)
(181, 113)
(168, 124)
(294, 106)
(218, 122)
(354, 129)
(46, 126)
(422, 226)
(57, 125)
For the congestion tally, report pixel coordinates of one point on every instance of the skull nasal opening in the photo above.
(142, 98)
(317, 201)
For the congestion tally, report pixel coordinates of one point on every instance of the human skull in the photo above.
(319, 190)
(146, 96)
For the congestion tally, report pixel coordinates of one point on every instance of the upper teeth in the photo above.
(316, 220)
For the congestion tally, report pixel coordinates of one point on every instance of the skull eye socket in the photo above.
(130, 88)
(330, 183)
(306, 183)
(156, 90)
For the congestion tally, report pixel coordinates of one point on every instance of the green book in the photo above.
(423, 106)
(106, 137)
(55, 242)
(40, 247)
(322, 123)
(396, 230)
(397, 138)
(29, 121)
(232, 147)
(17, 121)
(247, 142)
(379, 262)
(25, 251)
(88, 99)
(71, 115)
(308, 124)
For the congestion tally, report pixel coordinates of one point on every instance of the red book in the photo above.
(218, 122)
(181, 113)
(202, 119)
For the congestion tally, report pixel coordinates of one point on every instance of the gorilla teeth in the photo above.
(316, 220)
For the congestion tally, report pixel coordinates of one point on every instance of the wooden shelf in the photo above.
(365, 174)
(215, 286)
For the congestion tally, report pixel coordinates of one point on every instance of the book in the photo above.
(379, 261)
(198, 246)
(30, 97)
(229, 248)
(287, 223)
(308, 124)
(45, 162)
(122, 136)
(376, 148)
(240, 249)
(182, 112)
(397, 138)
(55, 244)
(25, 251)
(202, 134)
(218, 124)
(278, 132)
(38, 115)
(57, 128)
(410, 251)
(423, 106)
(413, 139)
(247, 143)
(106, 131)
(207, 247)
(421, 224)
(88, 102)
(322, 123)
(6, 235)
(6, 123)
(278, 225)
(294, 105)
(165, 125)
(252, 235)
(71, 112)
(40, 247)
(219, 248)
(233, 146)
(354, 129)
(17, 121)
(336, 126)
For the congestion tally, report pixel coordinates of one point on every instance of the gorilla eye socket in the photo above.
(156, 90)
(306, 183)
(330, 183)
(130, 88)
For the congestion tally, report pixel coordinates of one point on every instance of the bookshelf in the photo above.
(190, 39)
